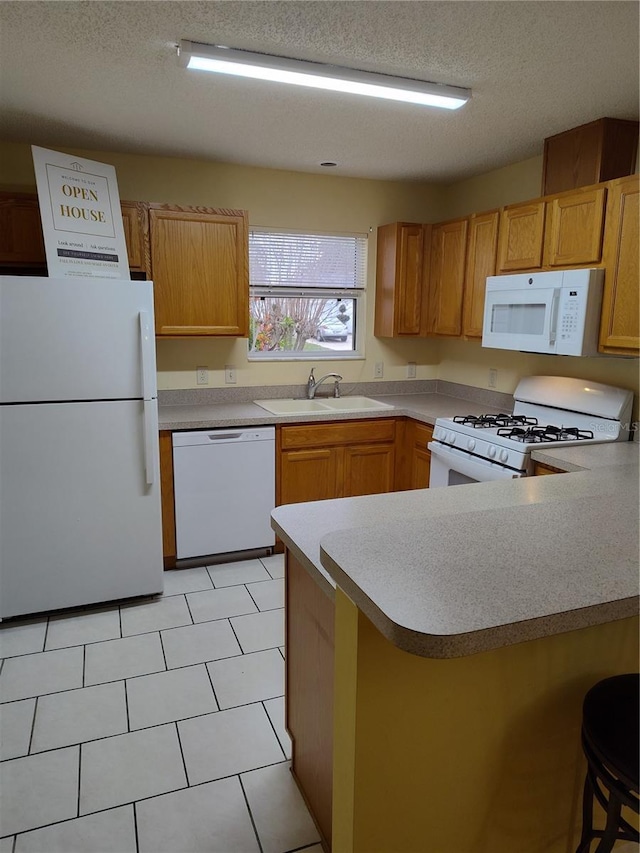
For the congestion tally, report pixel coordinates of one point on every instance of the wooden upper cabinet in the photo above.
(135, 221)
(200, 269)
(520, 239)
(619, 328)
(574, 228)
(599, 151)
(482, 248)
(446, 277)
(22, 244)
(21, 240)
(400, 295)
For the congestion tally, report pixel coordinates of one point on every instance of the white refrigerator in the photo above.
(80, 518)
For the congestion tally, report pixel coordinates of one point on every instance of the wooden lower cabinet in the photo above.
(414, 464)
(309, 642)
(539, 469)
(335, 460)
(168, 500)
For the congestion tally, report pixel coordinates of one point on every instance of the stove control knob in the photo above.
(471, 444)
(503, 455)
(491, 451)
(451, 438)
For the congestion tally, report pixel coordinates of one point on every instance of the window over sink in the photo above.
(306, 294)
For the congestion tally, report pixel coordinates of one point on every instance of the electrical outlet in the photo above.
(378, 370)
(493, 377)
(230, 374)
(411, 370)
(202, 375)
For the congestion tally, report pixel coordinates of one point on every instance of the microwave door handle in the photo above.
(553, 322)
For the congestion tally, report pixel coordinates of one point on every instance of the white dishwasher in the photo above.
(224, 485)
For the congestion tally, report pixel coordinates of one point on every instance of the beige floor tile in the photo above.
(45, 672)
(167, 696)
(199, 643)
(210, 818)
(154, 615)
(232, 574)
(112, 831)
(274, 565)
(228, 742)
(81, 628)
(275, 709)
(16, 720)
(220, 603)
(118, 659)
(125, 768)
(268, 595)
(179, 581)
(248, 678)
(77, 716)
(259, 631)
(278, 810)
(22, 638)
(39, 789)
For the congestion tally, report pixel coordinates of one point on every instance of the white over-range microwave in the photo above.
(555, 312)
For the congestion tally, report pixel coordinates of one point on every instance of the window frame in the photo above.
(356, 294)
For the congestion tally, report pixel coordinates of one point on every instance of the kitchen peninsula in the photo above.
(454, 634)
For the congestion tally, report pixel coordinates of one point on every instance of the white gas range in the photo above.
(549, 410)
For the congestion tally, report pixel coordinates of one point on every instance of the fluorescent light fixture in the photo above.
(316, 75)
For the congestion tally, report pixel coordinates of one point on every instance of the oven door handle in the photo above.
(469, 467)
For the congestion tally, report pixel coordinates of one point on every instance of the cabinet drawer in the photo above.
(328, 434)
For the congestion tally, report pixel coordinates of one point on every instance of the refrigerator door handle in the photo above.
(148, 438)
(147, 360)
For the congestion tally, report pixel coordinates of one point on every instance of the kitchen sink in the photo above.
(327, 404)
(291, 407)
(355, 404)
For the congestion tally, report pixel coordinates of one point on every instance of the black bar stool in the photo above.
(610, 740)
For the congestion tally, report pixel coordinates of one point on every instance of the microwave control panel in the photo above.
(579, 316)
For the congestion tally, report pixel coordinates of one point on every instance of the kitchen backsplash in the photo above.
(246, 394)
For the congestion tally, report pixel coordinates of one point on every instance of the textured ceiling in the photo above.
(104, 75)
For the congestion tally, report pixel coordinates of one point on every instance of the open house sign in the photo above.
(81, 218)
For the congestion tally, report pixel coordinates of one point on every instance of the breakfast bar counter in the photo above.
(454, 633)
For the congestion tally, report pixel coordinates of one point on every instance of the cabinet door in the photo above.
(574, 228)
(520, 237)
(481, 262)
(368, 469)
(308, 475)
(619, 328)
(168, 500)
(21, 241)
(446, 279)
(135, 221)
(199, 261)
(415, 467)
(400, 298)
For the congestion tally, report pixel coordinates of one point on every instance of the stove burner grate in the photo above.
(501, 420)
(539, 434)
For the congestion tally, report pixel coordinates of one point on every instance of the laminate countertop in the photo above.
(422, 407)
(449, 572)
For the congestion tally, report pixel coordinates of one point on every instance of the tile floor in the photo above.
(155, 725)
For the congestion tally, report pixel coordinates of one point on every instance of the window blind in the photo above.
(280, 259)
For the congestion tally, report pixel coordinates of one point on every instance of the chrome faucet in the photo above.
(312, 385)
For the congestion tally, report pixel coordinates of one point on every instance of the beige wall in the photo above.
(276, 198)
(518, 182)
(331, 203)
